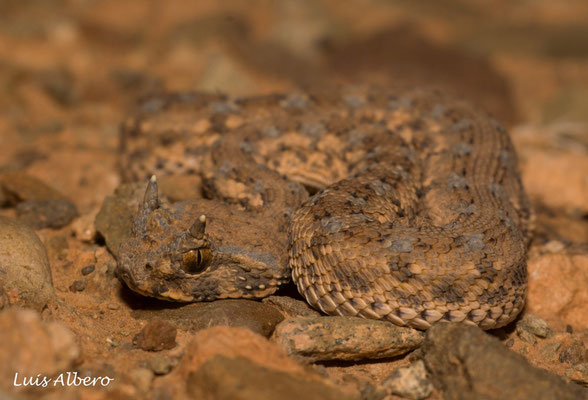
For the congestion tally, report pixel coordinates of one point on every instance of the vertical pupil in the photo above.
(199, 259)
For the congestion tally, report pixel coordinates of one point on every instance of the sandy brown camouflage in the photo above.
(387, 204)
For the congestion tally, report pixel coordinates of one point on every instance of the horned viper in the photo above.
(401, 205)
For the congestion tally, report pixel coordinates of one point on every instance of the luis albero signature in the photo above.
(63, 379)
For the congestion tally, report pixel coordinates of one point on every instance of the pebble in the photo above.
(156, 336)
(344, 338)
(550, 351)
(579, 374)
(410, 382)
(30, 346)
(466, 363)
(161, 365)
(526, 336)
(224, 378)
(25, 274)
(142, 378)
(59, 84)
(77, 286)
(88, 269)
(534, 325)
(573, 353)
(46, 213)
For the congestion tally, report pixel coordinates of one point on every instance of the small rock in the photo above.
(59, 84)
(291, 307)
(161, 365)
(410, 382)
(526, 336)
(466, 363)
(344, 338)
(535, 325)
(16, 187)
(30, 347)
(258, 317)
(230, 342)
(88, 269)
(77, 286)
(549, 352)
(24, 267)
(554, 246)
(142, 378)
(569, 329)
(579, 374)
(239, 378)
(156, 336)
(234, 342)
(573, 353)
(49, 213)
(83, 227)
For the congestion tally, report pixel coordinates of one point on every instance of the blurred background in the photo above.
(71, 69)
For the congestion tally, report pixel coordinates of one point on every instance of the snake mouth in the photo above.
(159, 291)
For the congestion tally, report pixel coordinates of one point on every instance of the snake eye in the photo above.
(194, 261)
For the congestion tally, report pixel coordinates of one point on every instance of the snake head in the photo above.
(199, 250)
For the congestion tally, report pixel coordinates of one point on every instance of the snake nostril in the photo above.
(148, 267)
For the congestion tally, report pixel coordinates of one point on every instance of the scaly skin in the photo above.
(420, 214)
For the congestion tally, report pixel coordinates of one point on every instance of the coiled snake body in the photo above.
(418, 213)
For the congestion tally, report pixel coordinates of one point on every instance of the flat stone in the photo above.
(239, 378)
(46, 213)
(344, 338)
(30, 347)
(466, 363)
(156, 336)
(258, 317)
(410, 382)
(24, 267)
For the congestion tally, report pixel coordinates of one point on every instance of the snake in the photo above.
(397, 204)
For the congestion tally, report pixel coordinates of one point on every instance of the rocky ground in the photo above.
(71, 70)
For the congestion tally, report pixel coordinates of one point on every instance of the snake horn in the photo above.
(198, 227)
(151, 200)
